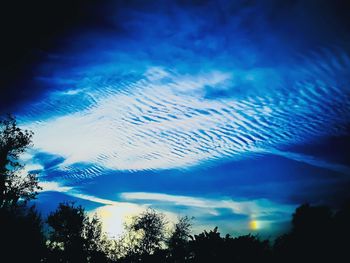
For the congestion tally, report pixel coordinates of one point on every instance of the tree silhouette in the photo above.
(207, 246)
(147, 235)
(310, 237)
(21, 235)
(98, 247)
(178, 240)
(248, 248)
(66, 233)
(211, 247)
(341, 231)
(20, 226)
(73, 237)
(14, 185)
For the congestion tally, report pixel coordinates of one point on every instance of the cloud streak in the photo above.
(208, 211)
(251, 208)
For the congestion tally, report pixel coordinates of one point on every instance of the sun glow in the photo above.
(114, 216)
(254, 225)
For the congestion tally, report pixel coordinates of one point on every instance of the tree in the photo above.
(14, 185)
(248, 248)
(65, 236)
(310, 236)
(74, 237)
(211, 247)
(20, 226)
(207, 246)
(147, 234)
(97, 246)
(21, 235)
(178, 240)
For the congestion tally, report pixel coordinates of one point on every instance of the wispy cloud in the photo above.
(235, 217)
(207, 211)
(112, 213)
(54, 187)
(312, 161)
(58, 187)
(251, 208)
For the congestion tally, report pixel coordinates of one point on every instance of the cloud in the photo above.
(208, 212)
(235, 217)
(178, 84)
(251, 208)
(114, 217)
(259, 215)
(312, 161)
(240, 32)
(164, 120)
(54, 186)
(58, 187)
(112, 213)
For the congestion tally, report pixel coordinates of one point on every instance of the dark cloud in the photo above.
(32, 31)
(333, 149)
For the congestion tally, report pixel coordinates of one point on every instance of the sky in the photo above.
(233, 112)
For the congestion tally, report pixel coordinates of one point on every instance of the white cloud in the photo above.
(115, 213)
(114, 216)
(164, 121)
(260, 214)
(252, 208)
(54, 187)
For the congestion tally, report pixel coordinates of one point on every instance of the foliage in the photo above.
(248, 248)
(21, 235)
(98, 247)
(74, 237)
(178, 240)
(312, 237)
(206, 246)
(14, 185)
(148, 231)
(210, 246)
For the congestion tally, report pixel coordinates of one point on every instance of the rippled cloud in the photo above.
(183, 85)
(165, 120)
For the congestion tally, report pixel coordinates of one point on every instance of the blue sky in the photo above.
(229, 111)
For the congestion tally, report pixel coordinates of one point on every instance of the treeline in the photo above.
(318, 234)
(70, 235)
